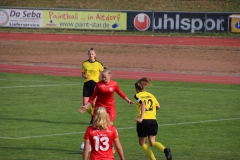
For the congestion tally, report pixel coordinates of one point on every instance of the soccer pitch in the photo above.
(39, 119)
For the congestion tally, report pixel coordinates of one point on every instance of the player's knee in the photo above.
(141, 143)
(151, 143)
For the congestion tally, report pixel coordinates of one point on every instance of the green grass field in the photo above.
(39, 119)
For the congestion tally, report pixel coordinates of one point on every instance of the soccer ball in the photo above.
(82, 146)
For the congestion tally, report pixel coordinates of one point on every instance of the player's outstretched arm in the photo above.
(129, 101)
(84, 108)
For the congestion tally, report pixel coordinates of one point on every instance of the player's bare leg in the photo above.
(90, 109)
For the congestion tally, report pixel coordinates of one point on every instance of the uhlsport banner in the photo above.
(177, 21)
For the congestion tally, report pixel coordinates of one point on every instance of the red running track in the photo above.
(123, 74)
(124, 40)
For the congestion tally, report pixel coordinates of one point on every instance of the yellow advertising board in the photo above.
(235, 24)
(85, 20)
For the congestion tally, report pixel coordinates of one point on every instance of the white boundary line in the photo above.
(65, 83)
(29, 80)
(125, 128)
(188, 88)
(33, 86)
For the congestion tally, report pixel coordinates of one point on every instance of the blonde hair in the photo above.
(142, 83)
(106, 70)
(101, 119)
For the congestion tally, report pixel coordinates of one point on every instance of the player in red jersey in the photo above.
(104, 92)
(101, 136)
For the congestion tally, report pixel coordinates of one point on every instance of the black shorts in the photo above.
(148, 127)
(88, 88)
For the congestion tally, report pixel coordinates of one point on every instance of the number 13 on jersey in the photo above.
(101, 143)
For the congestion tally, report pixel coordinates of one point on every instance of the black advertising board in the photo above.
(221, 22)
(178, 21)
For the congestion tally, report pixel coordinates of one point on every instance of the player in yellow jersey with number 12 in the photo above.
(91, 70)
(147, 126)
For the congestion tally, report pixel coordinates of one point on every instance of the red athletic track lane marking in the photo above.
(122, 74)
(196, 41)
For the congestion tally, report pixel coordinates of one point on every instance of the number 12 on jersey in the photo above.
(149, 104)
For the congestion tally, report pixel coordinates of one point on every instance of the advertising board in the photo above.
(21, 18)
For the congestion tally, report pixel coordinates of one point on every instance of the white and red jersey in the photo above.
(101, 142)
(105, 97)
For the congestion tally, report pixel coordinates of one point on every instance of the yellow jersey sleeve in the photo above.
(150, 102)
(92, 70)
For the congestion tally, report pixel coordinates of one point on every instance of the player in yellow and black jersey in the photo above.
(91, 70)
(147, 126)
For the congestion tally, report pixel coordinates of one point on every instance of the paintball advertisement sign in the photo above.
(85, 20)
